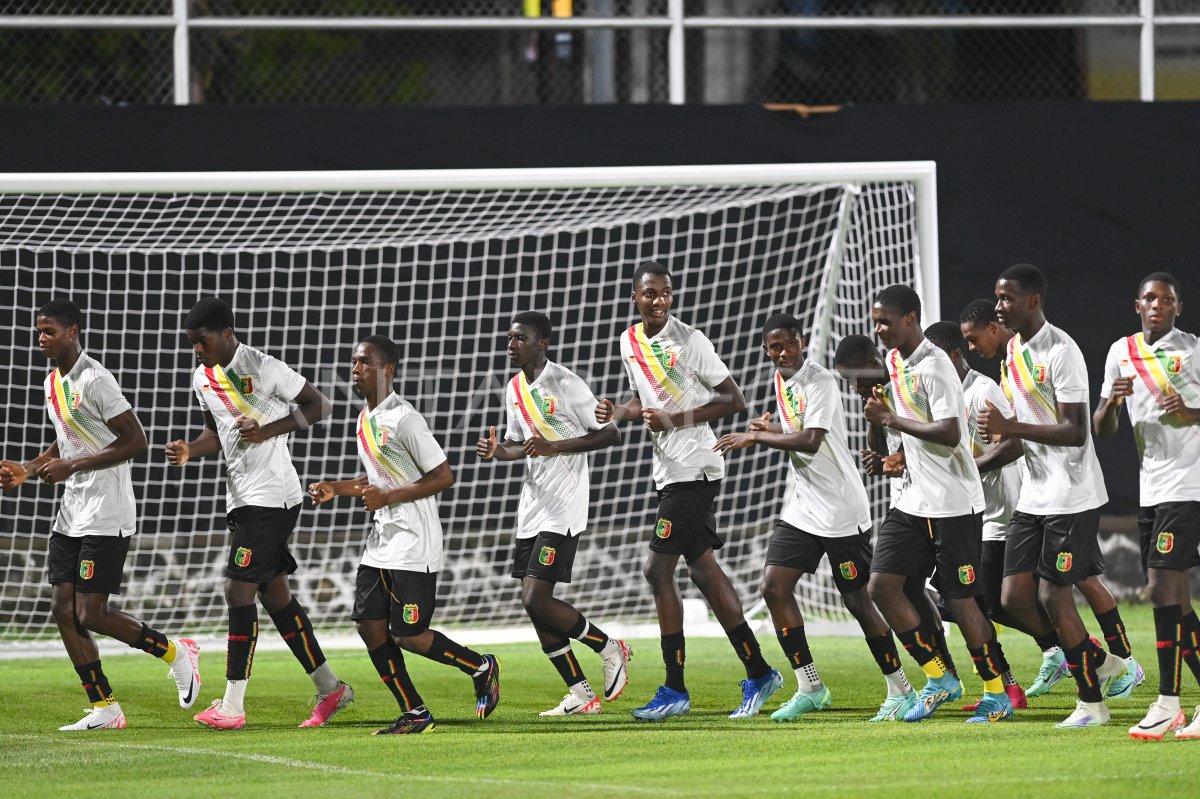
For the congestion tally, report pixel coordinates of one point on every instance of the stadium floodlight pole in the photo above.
(182, 53)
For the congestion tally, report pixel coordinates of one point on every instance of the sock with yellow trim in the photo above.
(443, 650)
(389, 662)
(297, 632)
(919, 644)
(990, 663)
(1114, 633)
(588, 634)
(243, 637)
(152, 642)
(95, 684)
(563, 660)
(1081, 660)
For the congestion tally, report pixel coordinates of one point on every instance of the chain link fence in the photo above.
(354, 52)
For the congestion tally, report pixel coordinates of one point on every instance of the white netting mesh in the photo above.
(309, 274)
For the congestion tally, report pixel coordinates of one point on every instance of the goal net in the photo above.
(439, 261)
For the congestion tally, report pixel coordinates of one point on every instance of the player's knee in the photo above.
(63, 611)
(1161, 591)
(773, 590)
(533, 596)
(858, 602)
(89, 612)
(880, 591)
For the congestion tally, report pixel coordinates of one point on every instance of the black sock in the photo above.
(919, 644)
(243, 635)
(673, 657)
(1047, 641)
(1114, 632)
(449, 653)
(293, 624)
(588, 634)
(748, 651)
(943, 649)
(152, 642)
(389, 662)
(794, 643)
(1081, 659)
(95, 683)
(1191, 644)
(564, 662)
(989, 660)
(883, 649)
(1168, 632)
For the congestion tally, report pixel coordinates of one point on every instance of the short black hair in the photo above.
(1028, 278)
(854, 350)
(980, 312)
(782, 321)
(537, 320)
(948, 336)
(211, 313)
(387, 348)
(64, 312)
(1161, 277)
(649, 268)
(901, 298)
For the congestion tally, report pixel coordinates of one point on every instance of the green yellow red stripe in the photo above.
(792, 415)
(530, 406)
(63, 401)
(664, 387)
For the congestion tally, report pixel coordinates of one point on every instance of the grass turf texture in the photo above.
(164, 753)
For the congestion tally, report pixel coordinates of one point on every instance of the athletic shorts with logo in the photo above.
(406, 599)
(686, 524)
(258, 552)
(991, 561)
(94, 563)
(949, 548)
(849, 556)
(1170, 535)
(1062, 549)
(546, 556)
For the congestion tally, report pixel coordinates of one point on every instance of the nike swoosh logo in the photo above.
(1152, 726)
(95, 726)
(191, 688)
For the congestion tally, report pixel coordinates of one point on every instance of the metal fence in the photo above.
(472, 52)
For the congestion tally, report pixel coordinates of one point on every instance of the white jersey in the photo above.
(827, 497)
(253, 386)
(557, 405)
(1036, 376)
(676, 371)
(1001, 487)
(99, 501)
(397, 449)
(1169, 452)
(943, 481)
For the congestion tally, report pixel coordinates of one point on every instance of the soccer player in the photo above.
(96, 434)
(551, 421)
(1000, 472)
(679, 386)
(245, 397)
(396, 586)
(936, 524)
(1053, 530)
(1155, 375)
(987, 338)
(825, 513)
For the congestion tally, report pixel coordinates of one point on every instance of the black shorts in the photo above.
(918, 546)
(94, 563)
(259, 552)
(686, 523)
(849, 556)
(1062, 549)
(546, 556)
(991, 564)
(407, 599)
(1170, 535)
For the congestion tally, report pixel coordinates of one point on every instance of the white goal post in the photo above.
(438, 260)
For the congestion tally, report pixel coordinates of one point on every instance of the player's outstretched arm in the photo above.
(312, 407)
(12, 473)
(1072, 431)
(179, 452)
(130, 442)
(432, 482)
(324, 490)
(947, 432)
(488, 448)
(1107, 417)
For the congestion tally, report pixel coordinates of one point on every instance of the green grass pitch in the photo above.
(515, 753)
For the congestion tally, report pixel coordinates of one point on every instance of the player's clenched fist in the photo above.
(320, 492)
(872, 462)
(1121, 388)
(178, 452)
(605, 411)
(374, 498)
(12, 474)
(894, 465)
(486, 447)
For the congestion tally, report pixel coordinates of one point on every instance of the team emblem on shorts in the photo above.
(663, 528)
(1174, 364)
(87, 568)
(411, 614)
(966, 574)
(1039, 372)
(1165, 543)
(1063, 564)
(546, 556)
(848, 569)
(242, 557)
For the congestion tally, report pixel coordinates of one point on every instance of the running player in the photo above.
(1000, 472)
(396, 586)
(987, 338)
(679, 386)
(1155, 375)
(96, 434)
(1053, 531)
(825, 513)
(245, 397)
(936, 523)
(550, 418)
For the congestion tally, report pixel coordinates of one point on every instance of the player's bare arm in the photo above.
(432, 482)
(1107, 417)
(12, 473)
(130, 442)
(762, 432)
(608, 411)
(488, 448)
(539, 446)
(999, 456)
(947, 432)
(727, 402)
(324, 490)
(312, 407)
(1072, 431)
